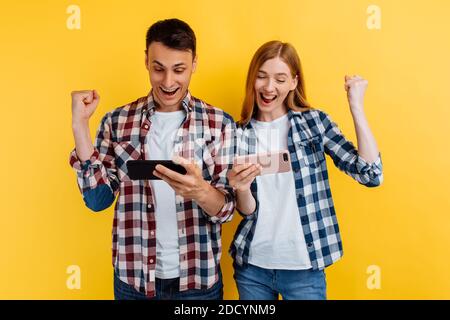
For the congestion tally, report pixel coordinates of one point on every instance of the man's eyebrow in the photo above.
(180, 64)
(158, 63)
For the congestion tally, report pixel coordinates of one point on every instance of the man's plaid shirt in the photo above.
(206, 136)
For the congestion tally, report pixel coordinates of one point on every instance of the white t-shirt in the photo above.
(279, 241)
(161, 141)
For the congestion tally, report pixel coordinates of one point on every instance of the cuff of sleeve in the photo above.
(373, 169)
(252, 215)
(77, 164)
(227, 209)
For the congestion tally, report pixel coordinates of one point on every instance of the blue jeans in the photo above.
(255, 283)
(167, 289)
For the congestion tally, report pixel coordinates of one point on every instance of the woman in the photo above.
(289, 233)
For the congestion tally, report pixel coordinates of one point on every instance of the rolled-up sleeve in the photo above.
(346, 158)
(97, 177)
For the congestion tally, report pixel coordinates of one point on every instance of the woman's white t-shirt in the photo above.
(279, 241)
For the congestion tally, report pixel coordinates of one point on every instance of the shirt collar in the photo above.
(187, 102)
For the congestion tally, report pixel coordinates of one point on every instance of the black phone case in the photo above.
(143, 169)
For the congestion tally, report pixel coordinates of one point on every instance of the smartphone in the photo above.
(143, 169)
(271, 162)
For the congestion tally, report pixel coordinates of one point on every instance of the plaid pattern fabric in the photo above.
(207, 137)
(312, 134)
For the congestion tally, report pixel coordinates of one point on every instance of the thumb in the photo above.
(95, 95)
(188, 165)
(88, 97)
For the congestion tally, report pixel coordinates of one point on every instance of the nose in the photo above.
(269, 86)
(168, 80)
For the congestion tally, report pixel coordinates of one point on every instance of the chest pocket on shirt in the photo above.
(125, 151)
(312, 151)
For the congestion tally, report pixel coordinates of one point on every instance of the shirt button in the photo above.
(152, 233)
(310, 245)
(124, 145)
(151, 261)
(149, 206)
(146, 126)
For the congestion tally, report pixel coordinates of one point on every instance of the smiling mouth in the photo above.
(169, 92)
(266, 100)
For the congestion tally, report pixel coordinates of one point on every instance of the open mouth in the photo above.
(267, 99)
(169, 92)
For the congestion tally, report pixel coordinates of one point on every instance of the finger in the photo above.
(250, 178)
(356, 82)
(350, 83)
(174, 184)
(240, 167)
(188, 165)
(88, 97)
(351, 80)
(170, 173)
(248, 172)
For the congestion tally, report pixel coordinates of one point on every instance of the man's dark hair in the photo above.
(173, 33)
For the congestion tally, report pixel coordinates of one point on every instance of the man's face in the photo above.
(170, 72)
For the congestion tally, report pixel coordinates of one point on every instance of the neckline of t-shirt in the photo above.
(271, 123)
(169, 114)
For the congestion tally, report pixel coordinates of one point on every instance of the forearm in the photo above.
(245, 202)
(83, 142)
(210, 200)
(367, 146)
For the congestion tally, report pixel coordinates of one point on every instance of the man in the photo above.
(166, 233)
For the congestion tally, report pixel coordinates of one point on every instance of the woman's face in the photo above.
(272, 85)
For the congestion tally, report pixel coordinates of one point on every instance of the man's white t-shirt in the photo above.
(279, 241)
(161, 141)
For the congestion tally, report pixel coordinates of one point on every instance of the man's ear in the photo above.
(194, 63)
(146, 60)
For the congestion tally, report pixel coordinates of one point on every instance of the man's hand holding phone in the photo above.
(190, 185)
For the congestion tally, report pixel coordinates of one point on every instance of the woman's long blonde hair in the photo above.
(296, 99)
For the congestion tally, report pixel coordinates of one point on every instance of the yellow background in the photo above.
(403, 227)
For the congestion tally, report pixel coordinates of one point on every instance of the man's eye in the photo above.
(158, 69)
(179, 70)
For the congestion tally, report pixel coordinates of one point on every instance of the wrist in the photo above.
(78, 125)
(243, 193)
(357, 111)
(204, 192)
